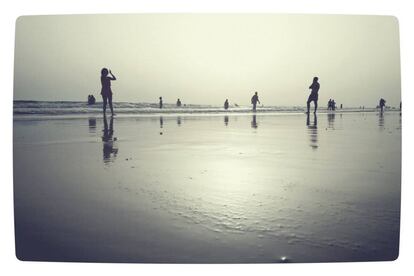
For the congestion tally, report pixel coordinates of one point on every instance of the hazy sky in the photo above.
(207, 58)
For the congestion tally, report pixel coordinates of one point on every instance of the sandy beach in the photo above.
(215, 188)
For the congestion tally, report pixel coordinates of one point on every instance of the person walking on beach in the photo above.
(106, 92)
(330, 104)
(160, 102)
(226, 104)
(178, 103)
(313, 97)
(255, 100)
(382, 104)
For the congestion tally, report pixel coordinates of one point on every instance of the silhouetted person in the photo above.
(108, 140)
(106, 91)
(178, 103)
(382, 104)
(333, 105)
(254, 123)
(330, 104)
(226, 104)
(312, 130)
(255, 100)
(313, 97)
(226, 120)
(341, 106)
(160, 102)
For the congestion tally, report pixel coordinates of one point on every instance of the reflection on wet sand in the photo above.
(92, 125)
(110, 149)
(331, 120)
(313, 131)
(226, 120)
(257, 196)
(381, 120)
(254, 122)
(161, 122)
(179, 120)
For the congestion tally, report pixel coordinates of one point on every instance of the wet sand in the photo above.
(199, 189)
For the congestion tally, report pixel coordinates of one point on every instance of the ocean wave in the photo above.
(56, 108)
(67, 108)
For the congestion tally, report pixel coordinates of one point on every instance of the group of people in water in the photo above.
(106, 92)
(91, 99)
(332, 104)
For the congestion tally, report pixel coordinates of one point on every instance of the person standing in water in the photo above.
(382, 104)
(313, 97)
(226, 104)
(160, 102)
(255, 100)
(178, 103)
(106, 92)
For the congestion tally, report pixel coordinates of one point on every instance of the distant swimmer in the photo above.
(106, 92)
(178, 103)
(255, 100)
(160, 102)
(91, 100)
(313, 97)
(226, 104)
(382, 104)
(333, 105)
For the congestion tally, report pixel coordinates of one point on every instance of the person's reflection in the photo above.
(313, 130)
(254, 123)
(226, 120)
(109, 148)
(92, 125)
(161, 124)
(331, 120)
(381, 120)
(400, 121)
(178, 120)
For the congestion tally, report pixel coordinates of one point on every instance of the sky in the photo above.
(206, 58)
